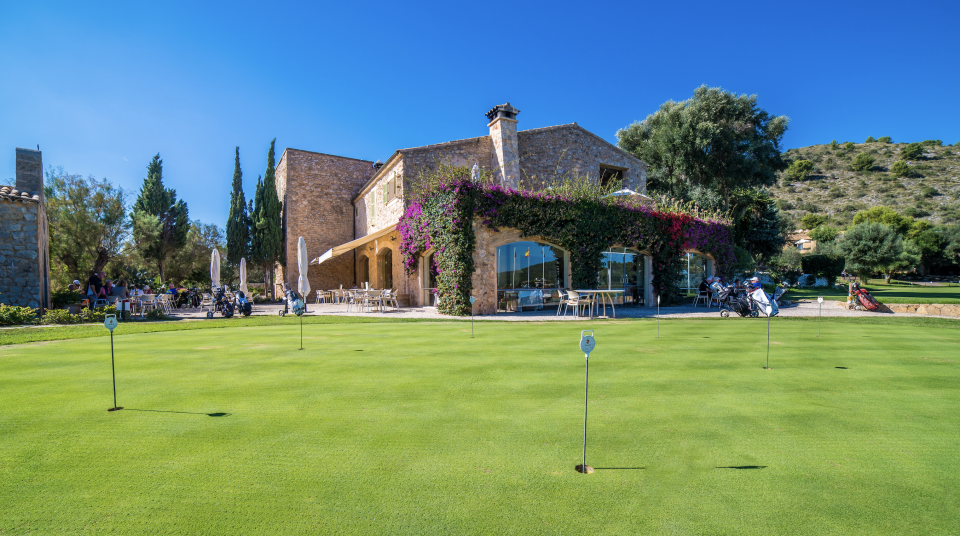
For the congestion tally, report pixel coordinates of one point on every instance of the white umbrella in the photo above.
(215, 269)
(303, 263)
(243, 277)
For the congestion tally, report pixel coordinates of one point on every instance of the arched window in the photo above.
(385, 268)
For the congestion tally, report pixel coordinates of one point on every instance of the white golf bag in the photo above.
(763, 303)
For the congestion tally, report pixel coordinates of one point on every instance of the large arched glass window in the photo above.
(622, 268)
(523, 265)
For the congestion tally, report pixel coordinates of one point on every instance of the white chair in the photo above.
(147, 302)
(575, 300)
(702, 297)
(390, 297)
(564, 300)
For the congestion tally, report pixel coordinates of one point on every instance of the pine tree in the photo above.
(238, 222)
(160, 222)
(268, 221)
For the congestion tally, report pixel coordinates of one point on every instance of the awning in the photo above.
(336, 251)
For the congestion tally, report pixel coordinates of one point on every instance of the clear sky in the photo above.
(103, 87)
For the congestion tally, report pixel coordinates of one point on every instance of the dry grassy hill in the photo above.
(835, 189)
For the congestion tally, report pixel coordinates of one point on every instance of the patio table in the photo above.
(601, 295)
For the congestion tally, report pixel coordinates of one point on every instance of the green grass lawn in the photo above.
(414, 428)
(898, 293)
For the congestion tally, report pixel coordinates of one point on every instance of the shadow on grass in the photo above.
(618, 468)
(743, 467)
(844, 368)
(217, 414)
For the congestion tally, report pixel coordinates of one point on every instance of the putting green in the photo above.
(419, 429)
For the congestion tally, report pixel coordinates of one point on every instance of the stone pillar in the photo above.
(29, 171)
(503, 135)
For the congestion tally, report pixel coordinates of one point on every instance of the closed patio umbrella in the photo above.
(303, 264)
(243, 277)
(214, 269)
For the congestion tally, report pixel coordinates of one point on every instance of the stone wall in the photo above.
(316, 191)
(371, 212)
(21, 253)
(570, 149)
(933, 309)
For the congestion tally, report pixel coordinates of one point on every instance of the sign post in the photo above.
(587, 343)
(299, 307)
(472, 300)
(819, 314)
(110, 322)
(768, 342)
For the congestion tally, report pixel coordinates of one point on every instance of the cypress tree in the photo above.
(160, 222)
(256, 236)
(238, 222)
(269, 221)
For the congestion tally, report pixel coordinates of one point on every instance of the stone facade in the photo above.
(24, 242)
(316, 191)
(572, 150)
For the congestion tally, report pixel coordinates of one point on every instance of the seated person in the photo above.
(172, 289)
(75, 286)
(120, 289)
(95, 286)
(146, 290)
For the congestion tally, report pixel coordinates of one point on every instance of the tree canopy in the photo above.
(87, 223)
(716, 139)
(160, 221)
(871, 247)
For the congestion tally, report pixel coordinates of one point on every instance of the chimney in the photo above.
(29, 171)
(503, 134)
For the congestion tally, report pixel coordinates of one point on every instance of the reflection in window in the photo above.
(529, 265)
(622, 268)
(695, 268)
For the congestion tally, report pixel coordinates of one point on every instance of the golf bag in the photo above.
(290, 297)
(222, 304)
(731, 300)
(763, 303)
(866, 300)
(243, 305)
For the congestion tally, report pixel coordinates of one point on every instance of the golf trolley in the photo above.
(291, 300)
(220, 303)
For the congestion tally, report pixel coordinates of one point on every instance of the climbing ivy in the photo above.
(586, 226)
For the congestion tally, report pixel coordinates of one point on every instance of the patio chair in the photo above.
(390, 297)
(702, 297)
(373, 298)
(564, 300)
(147, 302)
(206, 300)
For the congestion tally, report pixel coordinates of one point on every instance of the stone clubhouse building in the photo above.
(347, 211)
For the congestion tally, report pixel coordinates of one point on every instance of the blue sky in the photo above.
(103, 87)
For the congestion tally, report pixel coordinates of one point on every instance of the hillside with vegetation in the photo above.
(837, 180)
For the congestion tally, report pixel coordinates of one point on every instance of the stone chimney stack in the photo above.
(503, 134)
(30, 171)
